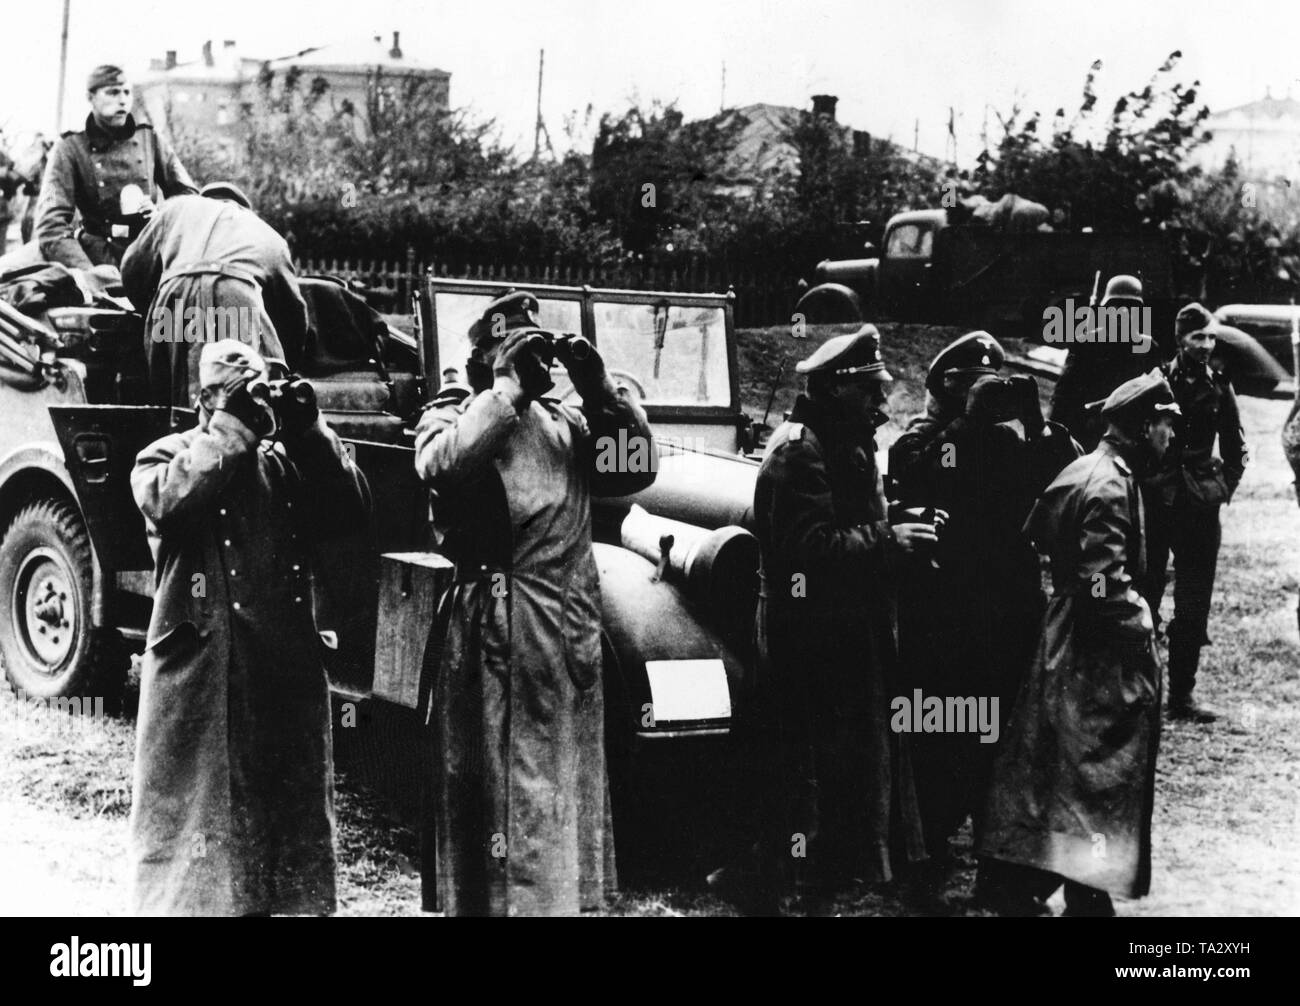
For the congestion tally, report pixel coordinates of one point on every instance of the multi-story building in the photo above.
(209, 93)
(1263, 136)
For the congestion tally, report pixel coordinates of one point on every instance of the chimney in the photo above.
(396, 51)
(171, 60)
(228, 44)
(824, 104)
(207, 53)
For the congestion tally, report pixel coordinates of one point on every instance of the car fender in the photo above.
(1248, 365)
(647, 620)
(828, 303)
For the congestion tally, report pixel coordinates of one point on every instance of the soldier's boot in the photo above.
(751, 882)
(1082, 902)
(1184, 657)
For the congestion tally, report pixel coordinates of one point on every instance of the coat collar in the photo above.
(100, 137)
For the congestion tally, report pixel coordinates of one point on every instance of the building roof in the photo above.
(763, 146)
(1268, 113)
(355, 54)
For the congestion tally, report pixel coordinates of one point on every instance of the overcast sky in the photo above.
(891, 62)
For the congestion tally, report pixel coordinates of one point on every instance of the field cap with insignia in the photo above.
(105, 75)
(849, 357)
(1141, 397)
(1193, 318)
(514, 310)
(976, 353)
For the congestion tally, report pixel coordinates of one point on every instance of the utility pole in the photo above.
(722, 101)
(63, 69)
(540, 130)
(916, 136)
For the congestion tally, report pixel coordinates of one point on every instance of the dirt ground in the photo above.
(1227, 817)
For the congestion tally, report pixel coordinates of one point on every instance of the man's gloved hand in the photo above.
(989, 401)
(517, 359)
(584, 364)
(237, 401)
(295, 405)
(1029, 410)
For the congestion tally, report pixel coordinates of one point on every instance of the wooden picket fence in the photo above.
(761, 298)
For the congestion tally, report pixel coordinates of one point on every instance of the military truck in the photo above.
(678, 565)
(985, 277)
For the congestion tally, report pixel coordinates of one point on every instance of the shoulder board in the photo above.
(796, 431)
(70, 132)
(143, 125)
(1122, 465)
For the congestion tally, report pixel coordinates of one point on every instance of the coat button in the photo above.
(296, 567)
(234, 572)
(235, 605)
(297, 600)
(223, 511)
(227, 543)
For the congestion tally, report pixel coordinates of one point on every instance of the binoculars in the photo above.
(544, 345)
(276, 393)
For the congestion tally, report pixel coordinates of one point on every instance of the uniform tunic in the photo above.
(1074, 779)
(827, 651)
(233, 801)
(521, 797)
(1184, 498)
(211, 254)
(85, 175)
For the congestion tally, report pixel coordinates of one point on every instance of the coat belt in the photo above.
(208, 269)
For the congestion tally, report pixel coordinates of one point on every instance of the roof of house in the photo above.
(355, 54)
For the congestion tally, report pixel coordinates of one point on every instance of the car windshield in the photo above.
(677, 355)
(668, 354)
(457, 311)
(910, 241)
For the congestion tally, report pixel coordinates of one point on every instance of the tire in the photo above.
(829, 304)
(49, 645)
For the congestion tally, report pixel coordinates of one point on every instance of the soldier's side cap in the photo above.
(974, 353)
(1143, 395)
(856, 356)
(513, 310)
(104, 75)
(228, 191)
(1193, 318)
(218, 359)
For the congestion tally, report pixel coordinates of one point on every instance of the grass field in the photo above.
(1227, 819)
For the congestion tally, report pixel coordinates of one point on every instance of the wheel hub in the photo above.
(45, 612)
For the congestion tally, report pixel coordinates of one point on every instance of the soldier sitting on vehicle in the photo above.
(110, 174)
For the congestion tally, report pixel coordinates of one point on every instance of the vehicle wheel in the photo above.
(49, 646)
(823, 306)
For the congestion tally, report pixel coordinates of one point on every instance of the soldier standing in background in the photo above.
(1093, 370)
(1184, 498)
(88, 171)
(1074, 781)
(833, 784)
(968, 625)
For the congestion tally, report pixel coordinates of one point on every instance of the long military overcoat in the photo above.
(232, 811)
(1074, 782)
(521, 795)
(826, 634)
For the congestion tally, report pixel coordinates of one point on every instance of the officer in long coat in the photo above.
(835, 782)
(88, 170)
(203, 264)
(232, 810)
(969, 623)
(1093, 370)
(521, 798)
(1185, 498)
(1073, 784)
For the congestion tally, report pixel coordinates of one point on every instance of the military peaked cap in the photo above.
(849, 356)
